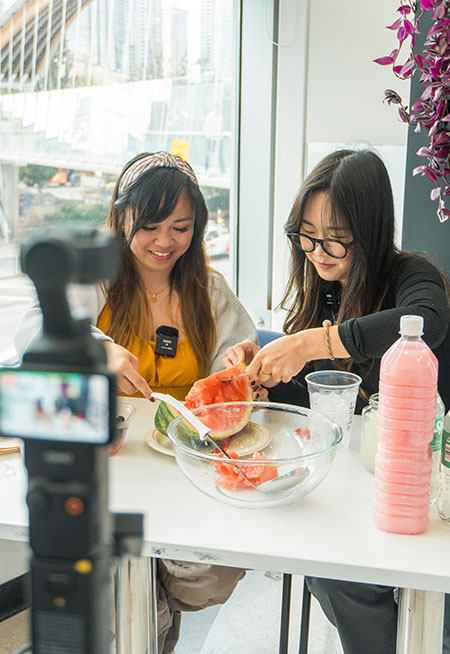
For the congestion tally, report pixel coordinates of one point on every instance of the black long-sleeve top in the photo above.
(417, 288)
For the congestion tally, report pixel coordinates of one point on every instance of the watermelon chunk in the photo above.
(230, 478)
(223, 421)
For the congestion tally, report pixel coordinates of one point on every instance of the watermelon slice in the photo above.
(223, 421)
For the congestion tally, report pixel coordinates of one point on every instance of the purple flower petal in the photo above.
(442, 154)
(384, 61)
(404, 9)
(442, 138)
(404, 115)
(392, 97)
(420, 61)
(398, 23)
(435, 193)
(438, 11)
(418, 106)
(443, 215)
(423, 152)
(427, 4)
(402, 33)
(409, 27)
(426, 170)
(431, 174)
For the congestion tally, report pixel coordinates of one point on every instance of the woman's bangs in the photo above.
(337, 219)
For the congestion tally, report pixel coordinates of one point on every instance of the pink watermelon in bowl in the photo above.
(211, 390)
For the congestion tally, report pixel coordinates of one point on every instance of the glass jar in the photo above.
(369, 434)
(436, 446)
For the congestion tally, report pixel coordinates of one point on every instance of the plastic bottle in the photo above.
(369, 433)
(436, 446)
(406, 415)
(444, 491)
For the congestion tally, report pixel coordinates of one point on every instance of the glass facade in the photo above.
(86, 85)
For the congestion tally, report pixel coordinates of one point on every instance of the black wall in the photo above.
(422, 230)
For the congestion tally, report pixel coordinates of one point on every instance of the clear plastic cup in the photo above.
(334, 393)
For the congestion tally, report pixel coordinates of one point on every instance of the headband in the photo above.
(154, 160)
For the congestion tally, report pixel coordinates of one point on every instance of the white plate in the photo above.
(159, 442)
(249, 440)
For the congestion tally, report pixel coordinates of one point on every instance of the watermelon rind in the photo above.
(165, 414)
(225, 419)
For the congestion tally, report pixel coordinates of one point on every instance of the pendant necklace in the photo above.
(154, 296)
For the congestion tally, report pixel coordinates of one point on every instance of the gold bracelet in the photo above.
(326, 324)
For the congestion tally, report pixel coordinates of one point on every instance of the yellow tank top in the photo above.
(172, 375)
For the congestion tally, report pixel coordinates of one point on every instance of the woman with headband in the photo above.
(159, 214)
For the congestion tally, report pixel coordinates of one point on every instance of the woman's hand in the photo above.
(126, 368)
(245, 351)
(278, 361)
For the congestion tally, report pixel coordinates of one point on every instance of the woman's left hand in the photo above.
(279, 360)
(260, 393)
(241, 352)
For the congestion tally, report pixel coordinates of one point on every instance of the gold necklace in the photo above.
(153, 296)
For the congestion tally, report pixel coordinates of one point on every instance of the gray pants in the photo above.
(365, 615)
(189, 587)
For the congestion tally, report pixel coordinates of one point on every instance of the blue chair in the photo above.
(266, 336)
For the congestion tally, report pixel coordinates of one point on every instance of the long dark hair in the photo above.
(361, 201)
(151, 198)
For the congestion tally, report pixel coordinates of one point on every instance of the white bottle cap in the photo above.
(411, 325)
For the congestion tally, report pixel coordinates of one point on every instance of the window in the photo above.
(98, 83)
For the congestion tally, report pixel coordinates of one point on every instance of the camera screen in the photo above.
(55, 406)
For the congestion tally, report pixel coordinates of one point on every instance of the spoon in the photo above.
(273, 486)
(228, 379)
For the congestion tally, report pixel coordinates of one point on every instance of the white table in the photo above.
(330, 533)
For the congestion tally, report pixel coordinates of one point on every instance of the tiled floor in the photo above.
(14, 633)
(247, 624)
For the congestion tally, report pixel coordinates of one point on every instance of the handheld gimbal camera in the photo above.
(62, 402)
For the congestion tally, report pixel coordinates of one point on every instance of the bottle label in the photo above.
(436, 443)
(445, 460)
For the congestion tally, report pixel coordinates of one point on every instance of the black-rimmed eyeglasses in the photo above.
(336, 249)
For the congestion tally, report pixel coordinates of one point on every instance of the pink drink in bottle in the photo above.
(406, 413)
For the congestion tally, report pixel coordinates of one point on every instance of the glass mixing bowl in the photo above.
(286, 450)
(125, 414)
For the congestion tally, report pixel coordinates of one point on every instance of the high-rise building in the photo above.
(178, 43)
(216, 38)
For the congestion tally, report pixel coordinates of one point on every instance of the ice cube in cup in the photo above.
(333, 393)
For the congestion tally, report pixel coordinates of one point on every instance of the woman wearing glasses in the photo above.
(348, 287)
